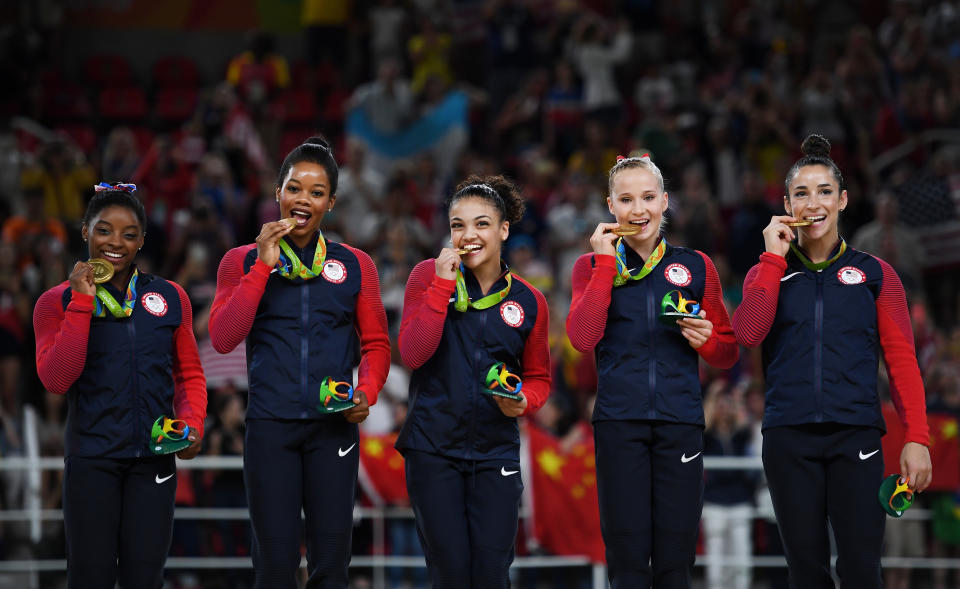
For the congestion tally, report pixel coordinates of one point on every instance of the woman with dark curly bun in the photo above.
(475, 336)
(823, 312)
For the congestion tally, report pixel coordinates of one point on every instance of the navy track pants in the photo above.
(650, 487)
(822, 471)
(466, 514)
(118, 520)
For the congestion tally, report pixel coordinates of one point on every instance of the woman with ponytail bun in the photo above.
(302, 305)
(823, 314)
(475, 336)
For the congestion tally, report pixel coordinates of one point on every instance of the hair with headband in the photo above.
(116, 194)
(315, 150)
(630, 162)
(816, 152)
(497, 190)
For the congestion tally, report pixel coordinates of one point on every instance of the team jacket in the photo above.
(647, 370)
(120, 375)
(300, 332)
(450, 353)
(822, 334)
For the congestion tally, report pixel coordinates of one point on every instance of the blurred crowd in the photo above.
(720, 93)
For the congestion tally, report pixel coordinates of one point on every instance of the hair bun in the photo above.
(319, 140)
(816, 145)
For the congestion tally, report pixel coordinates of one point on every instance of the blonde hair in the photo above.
(627, 163)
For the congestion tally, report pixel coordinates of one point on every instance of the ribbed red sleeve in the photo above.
(371, 323)
(721, 349)
(590, 300)
(237, 298)
(425, 303)
(536, 356)
(190, 386)
(61, 337)
(900, 356)
(761, 292)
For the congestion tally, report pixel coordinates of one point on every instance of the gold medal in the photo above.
(292, 221)
(803, 223)
(102, 270)
(625, 230)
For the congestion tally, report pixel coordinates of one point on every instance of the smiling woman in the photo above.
(123, 352)
(300, 302)
(648, 417)
(475, 336)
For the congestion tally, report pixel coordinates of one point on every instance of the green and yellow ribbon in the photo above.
(463, 301)
(817, 266)
(290, 266)
(105, 301)
(623, 275)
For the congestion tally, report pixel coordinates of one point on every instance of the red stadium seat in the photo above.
(292, 138)
(82, 135)
(123, 104)
(296, 106)
(108, 71)
(65, 101)
(143, 137)
(175, 104)
(175, 72)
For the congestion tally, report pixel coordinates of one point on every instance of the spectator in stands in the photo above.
(895, 243)
(30, 233)
(121, 156)
(727, 494)
(387, 102)
(429, 52)
(64, 176)
(258, 73)
(596, 48)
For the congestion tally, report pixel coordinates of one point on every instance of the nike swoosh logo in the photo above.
(789, 276)
(684, 458)
(343, 452)
(163, 480)
(865, 456)
(506, 473)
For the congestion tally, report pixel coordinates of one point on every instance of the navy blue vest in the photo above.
(647, 370)
(822, 352)
(448, 415)
(127, 379)
(303, 332)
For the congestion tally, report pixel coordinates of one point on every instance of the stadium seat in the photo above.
(65, 101)
(175, 104)
(122, 104)
(108, 71)
(82, 135)
(296, 107)
(175, 72)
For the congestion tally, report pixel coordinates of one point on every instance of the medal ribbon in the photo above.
(623, 275)
(463, 299)
(817, 266)
(290, 266)
(105, 300)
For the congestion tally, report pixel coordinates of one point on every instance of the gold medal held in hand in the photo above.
(102, 270)
(625, 230)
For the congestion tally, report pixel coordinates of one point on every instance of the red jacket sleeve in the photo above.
(536, 356)
(590, 301)
(900, 356)
(721, 349)
(237, 298)
(190, 386)
(425, 303)
(761, 292)
(371, 324)
(61, 337)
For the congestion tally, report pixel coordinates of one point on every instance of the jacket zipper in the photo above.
(651, 357)
(474, 394)
(818, 348)
(138, 428)
(304, 341)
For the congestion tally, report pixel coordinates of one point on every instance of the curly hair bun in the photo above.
(510, 202)
(816, 146)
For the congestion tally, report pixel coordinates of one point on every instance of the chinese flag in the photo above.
(944, 448)
(381, 470)
(566, 516)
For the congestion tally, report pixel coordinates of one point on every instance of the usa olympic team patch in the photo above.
(334, 271)
(154, 303)
(512, 313)
(678, 274)
(851, 275)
